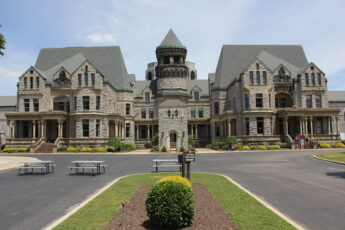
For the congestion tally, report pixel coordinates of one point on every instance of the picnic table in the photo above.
(158, 163)
(44, 166)
(80, 166)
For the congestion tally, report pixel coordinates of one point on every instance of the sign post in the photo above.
(187, 158)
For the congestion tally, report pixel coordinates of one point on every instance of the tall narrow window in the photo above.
(306, 79)
(98, 124)
(93, 79)
(151, 113)
(264, 75)
(128, 129)
(176, 113)
(79, 79)
(143, 113)
(75, 103)
(319, 78)
(257, 66)
(246, 101)
(216, 108)
(31, 82)
(318, 101)
(86, 79)
(201, 113)
(216, 126)
(25, 82)
(258, 78)
(260, 125)
(86, 102)
(36, 104)
(193, 113)
(309, 101)
(247, 126)
(128, 109)
(98, 102)
(147, 96)
(26, 105)
(196, 96)
(259, 100)
(313, 78)
(85, 123)
(251, 76)
(37, 82)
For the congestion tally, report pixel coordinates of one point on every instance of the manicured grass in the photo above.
(245, 211)
(339, 157)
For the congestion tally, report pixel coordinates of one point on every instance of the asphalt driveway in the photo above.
(309, 191)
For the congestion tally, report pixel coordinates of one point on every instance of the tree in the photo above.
(231, 141)
(2, 43)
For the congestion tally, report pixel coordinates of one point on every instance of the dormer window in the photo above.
(149, 76)
(196, 96)
(62, 80)
(147, 97)
(192, 75)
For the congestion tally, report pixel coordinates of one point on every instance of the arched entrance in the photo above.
(173, 138)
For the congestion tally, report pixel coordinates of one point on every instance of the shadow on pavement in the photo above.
(337, 174)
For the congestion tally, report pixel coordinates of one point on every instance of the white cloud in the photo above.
(9, 74)
(101, 37)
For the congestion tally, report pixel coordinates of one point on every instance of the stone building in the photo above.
(7, 104)
(336, 99)
(84, 96)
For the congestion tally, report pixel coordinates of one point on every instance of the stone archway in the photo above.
(172, 140)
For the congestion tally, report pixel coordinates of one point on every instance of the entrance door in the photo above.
(172, 140)
(51, 131)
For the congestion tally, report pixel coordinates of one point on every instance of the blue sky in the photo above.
(138, 27)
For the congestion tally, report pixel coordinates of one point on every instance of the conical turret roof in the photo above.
(171, 41)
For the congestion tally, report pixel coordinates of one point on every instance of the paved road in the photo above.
(309, 191)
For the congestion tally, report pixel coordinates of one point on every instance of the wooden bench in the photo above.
(26, 169)
(162, 163)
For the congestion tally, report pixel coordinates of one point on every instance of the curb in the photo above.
(321, 159)
(267, 205)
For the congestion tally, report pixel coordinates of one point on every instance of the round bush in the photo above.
(245, 147)
(164, 149)
(22, 150)
(86, 149)
(177, 179)
(8, 150)
(181, 149)
(262, 147)
(339, 145)
(102, 149)
(253, 147)
(325, 146)
(272, 147)
(170, 204)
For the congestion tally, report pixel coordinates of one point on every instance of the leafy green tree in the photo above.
(231, 141)
(2, 43)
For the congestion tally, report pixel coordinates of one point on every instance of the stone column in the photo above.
(311, 126)
(300, 125)
(116, 134)
(329, 125)
(196, 131)
(336, 125)
(192, 129)
(34, 129)
(305, 125)
(123, 130)
(147, 131)
(286, 128)
(229, 128)
(137, 131)
(14, 134)
(59, 128)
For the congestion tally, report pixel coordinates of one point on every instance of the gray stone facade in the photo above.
(84, 96)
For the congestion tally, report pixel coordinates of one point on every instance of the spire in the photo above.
(171, 41)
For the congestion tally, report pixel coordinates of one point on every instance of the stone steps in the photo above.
(45, 148)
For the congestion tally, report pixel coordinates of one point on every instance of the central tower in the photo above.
(172, 97)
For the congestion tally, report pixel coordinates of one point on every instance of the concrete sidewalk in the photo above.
(10, 162)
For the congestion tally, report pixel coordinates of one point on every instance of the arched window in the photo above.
(169, 113)
(149, 76)
(192, 75)
(62, 79)
(176, 113)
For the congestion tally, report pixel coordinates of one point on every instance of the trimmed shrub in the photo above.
(62, 148)
(192, 148)
(245, 147)
(126, 147)
(237, 146)
(115, 142)
(273, 147)
(209, 146)
(253, 147)
(339, 145)
(102, 149)
(148, 145)
(109, 149)
(86, 149)
(164, 149)
(9, 150)
(170, 205)
(155, 140)
(284, 145)
(262, 147)
(71, 149)
(177, 179)
(230, 141)
(217, 145)
(94, 150)
(22, 150)
(325, 146)
(191, 140)
(182, 149)
(154, 148)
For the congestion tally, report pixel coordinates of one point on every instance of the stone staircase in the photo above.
(45, 148)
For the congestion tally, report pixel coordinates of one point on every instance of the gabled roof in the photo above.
(171, 41)
(8, 100)
(141, 85)
(235, 58)
(202, 84)
(107, 60)
(310, 64)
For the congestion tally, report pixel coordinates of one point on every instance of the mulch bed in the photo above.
(209, 214)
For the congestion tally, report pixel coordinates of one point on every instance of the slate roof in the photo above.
(108, 60)
(202, 84)
(234, 59)
(141, 85)
(171, 41)
(8, 100)
(336, 96)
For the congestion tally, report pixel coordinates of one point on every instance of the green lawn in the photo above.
(245, 211)
(338, 157)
